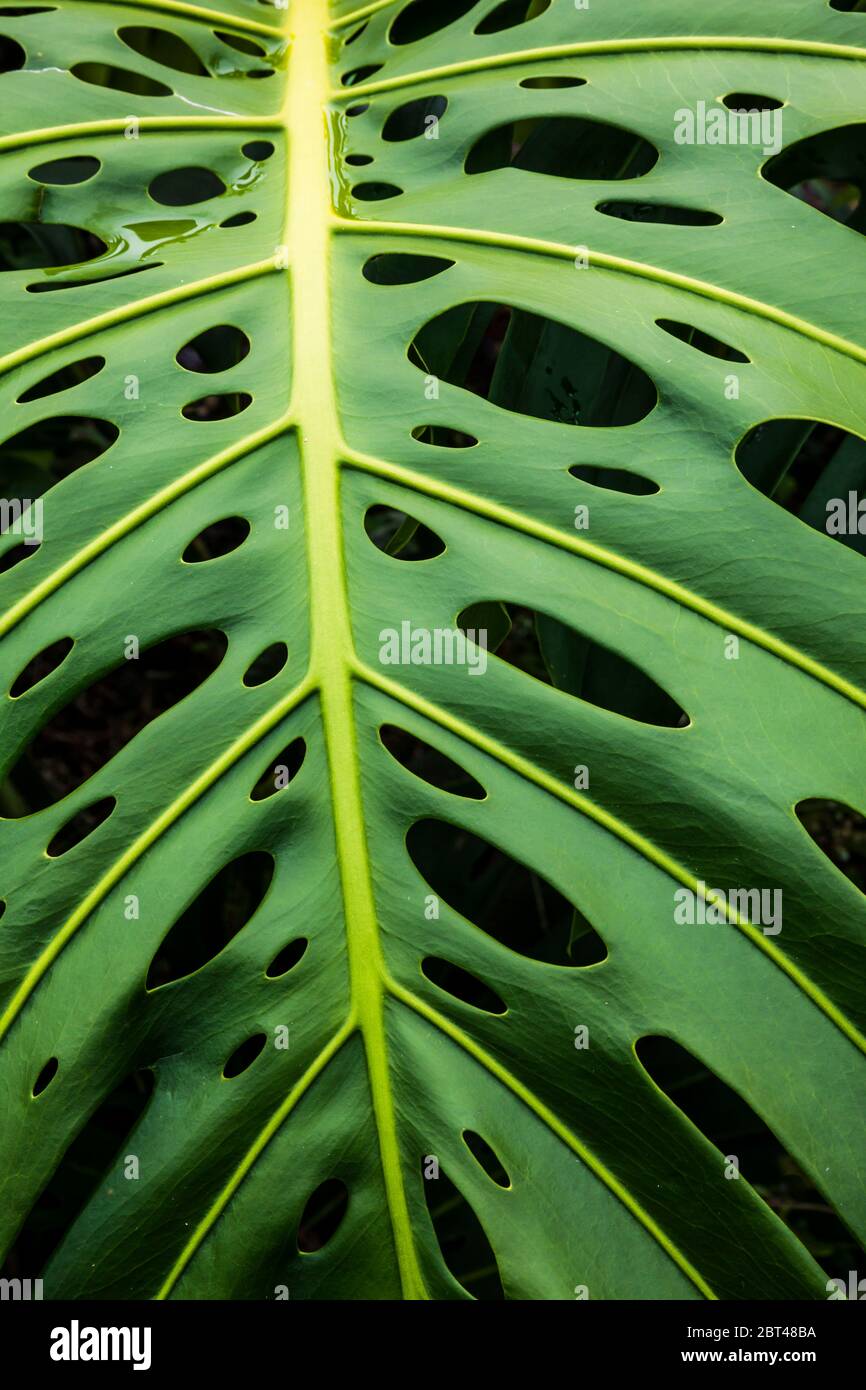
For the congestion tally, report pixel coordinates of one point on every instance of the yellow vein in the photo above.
(553, 1123)
(365, 12)
(197, 12)
(246, 741)
(135, 518)
(54, 134)
(125, 313)
(670, 866)
(253, 1153)
(673, 43)
(630, 569)
(308, 227)
(558, 250)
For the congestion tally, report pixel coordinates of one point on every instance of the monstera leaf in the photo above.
(420, 426)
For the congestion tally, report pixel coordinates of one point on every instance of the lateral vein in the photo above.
(138, 308)
(254, 1152)
(630, 569)
(733, 42)
(544, 1113)
(559, 251)
(506, 757)
(242, 745)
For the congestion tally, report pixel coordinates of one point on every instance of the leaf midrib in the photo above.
(308, 238)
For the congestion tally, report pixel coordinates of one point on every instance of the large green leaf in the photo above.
(611, 1188)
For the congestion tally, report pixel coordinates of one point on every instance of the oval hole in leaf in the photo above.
(243, 1057)
(216, 540)
(82, 824)
(208, 409)
(177, 188)
(728, 1122)
(93, 1157)
(486, 1157)
(358, 109)
(281, 772)
(557, 654)
(465, 1248)
(746, 101)
(827, 171)
(810, 469)
(240, 219)
(375, 192)
(702, 342)
(410, 121)
(509, 14)
(441, 438)
(258, 150)
(46, 245)
(74, 169)
(12, 55)
(41, 666)
(356, 34)
(427, 763)
(357, 75)
(536, 366)
(241, 44)
(288, 958)
(567, 147)
(358, 160)
(502, 897)
(47, 452)
(839, 832)
(421, 18)
(322, 1216)
(401, 536)
(457, 982)
(215, 916)
(46, 1076)
(614, 479)
(665, 213)
(113, 710)
(547, 83)
(161, 46)
(64, 379)
(267, 664)
(119, 79)
(397, 268)
(15, 555)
